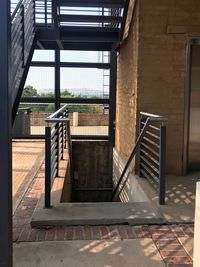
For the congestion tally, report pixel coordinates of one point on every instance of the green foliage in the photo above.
(29, 91)
(66, 94)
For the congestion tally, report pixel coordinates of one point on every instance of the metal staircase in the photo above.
(22, 47)
(95, 25)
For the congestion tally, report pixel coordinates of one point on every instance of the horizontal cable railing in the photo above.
(57, 138)
(152, 152)
(22, 36)
(151, 147)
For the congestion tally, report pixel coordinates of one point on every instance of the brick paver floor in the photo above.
(165, 237)
(27, 159)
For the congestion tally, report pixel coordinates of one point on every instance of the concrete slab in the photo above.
(180, 197)
(95, 214)
(112, 253)
(188, 244)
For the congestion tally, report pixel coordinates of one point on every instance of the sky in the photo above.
(42, 78)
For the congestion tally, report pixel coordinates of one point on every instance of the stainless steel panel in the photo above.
(194, 126)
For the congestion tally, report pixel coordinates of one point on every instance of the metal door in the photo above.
(194, 122)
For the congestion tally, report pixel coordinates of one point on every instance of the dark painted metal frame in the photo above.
(190, 42)
(5, 137)
(57, 100)
(159, 181)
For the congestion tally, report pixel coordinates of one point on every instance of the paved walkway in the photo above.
(172, 242)
(27, 159)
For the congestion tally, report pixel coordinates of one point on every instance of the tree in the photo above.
(29, 91)
(66, 94)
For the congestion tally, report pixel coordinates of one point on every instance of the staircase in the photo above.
(94, 25)
(22, 47)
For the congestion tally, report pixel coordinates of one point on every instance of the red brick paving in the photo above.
(165, 237)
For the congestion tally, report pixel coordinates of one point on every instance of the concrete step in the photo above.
(96, 214)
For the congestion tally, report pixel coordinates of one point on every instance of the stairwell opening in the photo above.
(92, 172)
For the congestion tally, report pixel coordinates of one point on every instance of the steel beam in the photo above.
(112, 110)
(56, 24)
(44, 100)
(57, 79)
(89, 18)
(71, 64)
(92, 3)
(66, 35)
(5, 138)
(94, 46)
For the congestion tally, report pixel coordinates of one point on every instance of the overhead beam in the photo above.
(74, 100)
(5, 137)
(56, 25)
(47, 34)
(52, 45)
(40, 45)
(71, 64)
(90, 18)
(92, 3)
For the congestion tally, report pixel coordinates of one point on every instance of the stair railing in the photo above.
(147, 164)
(22, 36)
(57, 138)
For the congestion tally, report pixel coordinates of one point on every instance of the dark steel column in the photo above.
(57, 79)
(113, 83)
(5, 139)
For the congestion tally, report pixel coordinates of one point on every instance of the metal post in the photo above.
(57, 96)
(162, 165)
(139, 149)
(45, 12)
(57, 79)
(112, 94)
(47, 167)
(5, 138)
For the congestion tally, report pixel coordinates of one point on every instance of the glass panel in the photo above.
(43, 55)
(86, 83)
(89, 119)
(84, 56)
(39, 82)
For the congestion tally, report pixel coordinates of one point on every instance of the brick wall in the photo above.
(84, 119)
(126, 92)
(163, 29)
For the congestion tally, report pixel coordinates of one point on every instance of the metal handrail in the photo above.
(154, 117)
(57, 136)
(149, 117)
(16, 9)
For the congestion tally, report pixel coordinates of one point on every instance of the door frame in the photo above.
(190, 42)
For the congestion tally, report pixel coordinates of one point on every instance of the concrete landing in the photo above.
(112, 253)
(180, 197)
(95, 214)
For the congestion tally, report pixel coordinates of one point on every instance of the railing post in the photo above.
(139, 148)
(162, 153)
(57, 146)
(69, 147)
(47, 167)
